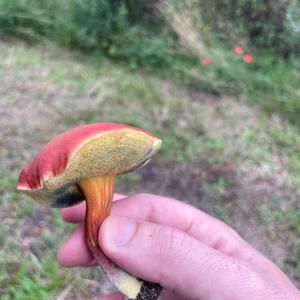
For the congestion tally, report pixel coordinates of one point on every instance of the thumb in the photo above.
(174, 259)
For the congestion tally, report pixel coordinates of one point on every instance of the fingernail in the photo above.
(117, 231)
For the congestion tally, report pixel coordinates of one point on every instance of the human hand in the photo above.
(191, 254)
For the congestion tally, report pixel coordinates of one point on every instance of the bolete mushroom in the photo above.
(83, 163)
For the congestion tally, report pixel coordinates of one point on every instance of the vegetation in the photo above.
(146, 33)
(267, 24)
(119, 27)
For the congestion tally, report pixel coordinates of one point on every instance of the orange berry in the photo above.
(238, 50)
(248, 59)
(206, 61)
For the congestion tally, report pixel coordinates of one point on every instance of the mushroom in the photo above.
(83, 163)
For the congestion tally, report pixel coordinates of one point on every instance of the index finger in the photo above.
(174, 213)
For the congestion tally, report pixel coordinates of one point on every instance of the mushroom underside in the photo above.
(120, 153)
(69, 194)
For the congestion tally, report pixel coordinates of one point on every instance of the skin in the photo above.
(191, 254)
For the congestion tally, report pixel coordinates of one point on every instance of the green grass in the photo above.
(270, 81)
(26, 271)
(26, 274)
(29, 280)
(222, 212)
(290, 218)
(47, 85)
(128, 180)
(288, 141)
(297, 262)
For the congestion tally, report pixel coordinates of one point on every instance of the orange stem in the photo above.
(98, 192)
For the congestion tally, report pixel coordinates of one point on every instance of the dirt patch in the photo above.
(187, 181)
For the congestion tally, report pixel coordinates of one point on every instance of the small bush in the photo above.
(263, 24)
(127, 30)
(134, 30)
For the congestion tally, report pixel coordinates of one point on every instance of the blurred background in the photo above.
(218, 81)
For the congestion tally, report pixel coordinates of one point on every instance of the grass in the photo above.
(32, 281)
(288, 142)
(290, 217)
(171, 39)
(231, 130)
(222, 212)
(26, 272)
(270, 81)
(28, 244)
(223, 155)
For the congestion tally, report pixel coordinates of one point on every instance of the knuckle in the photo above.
(165, 237)
(252, 282)
(174, 252)
(173, 245)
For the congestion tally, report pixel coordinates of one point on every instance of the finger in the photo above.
(74, 251)
(173, 213)
(114, 296)
(169, 295)
(176, 260)
(76, 213)
(118, 197)
(196, 223)
(156, 209)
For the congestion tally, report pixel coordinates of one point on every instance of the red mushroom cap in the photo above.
(89, 150)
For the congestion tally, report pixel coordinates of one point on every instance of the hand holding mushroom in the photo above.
(191, 254)
(82, 163)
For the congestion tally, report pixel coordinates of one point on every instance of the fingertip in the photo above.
(73, 252)
(118, 197)
(74, 214)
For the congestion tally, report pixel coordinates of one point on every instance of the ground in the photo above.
(220, 154)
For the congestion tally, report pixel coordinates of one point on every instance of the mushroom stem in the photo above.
(98, 192)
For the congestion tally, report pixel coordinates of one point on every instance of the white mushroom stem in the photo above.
(98, 192)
